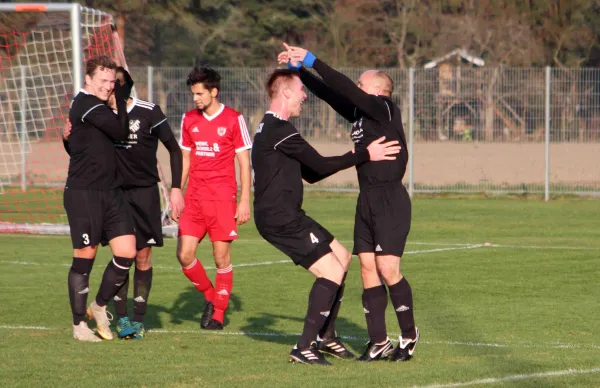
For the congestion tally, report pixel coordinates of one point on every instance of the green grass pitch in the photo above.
(520, 311)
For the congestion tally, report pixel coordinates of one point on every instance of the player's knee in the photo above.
(222, 254)
(86, 253)
(390, 273)
(185, 257)
(143, 259)
(334, 270)
(124, 251)
(345, 258)
(222, 259)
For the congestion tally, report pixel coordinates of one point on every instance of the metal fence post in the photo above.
(23, 129)
(150, 84)
(411, 131)
(547, 136)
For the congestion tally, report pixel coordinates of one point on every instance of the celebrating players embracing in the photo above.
(281, 158)
(137, 163)
(212, 137)
(383, 210)
(94, 203)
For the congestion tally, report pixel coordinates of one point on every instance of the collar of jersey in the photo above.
(129, 109)
(210, 118)
(274, 115)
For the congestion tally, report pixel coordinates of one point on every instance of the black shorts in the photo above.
(382, 220)
(144, 207)
(304, 240)
(96, 216)
(144, 203)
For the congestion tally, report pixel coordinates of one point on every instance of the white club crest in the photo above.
(221, 131)
(134, 125)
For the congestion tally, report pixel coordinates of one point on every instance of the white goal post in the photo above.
(43, 48)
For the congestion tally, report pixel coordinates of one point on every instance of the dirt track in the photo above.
(435, 163)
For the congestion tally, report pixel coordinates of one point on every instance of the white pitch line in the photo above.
(345, 337)
(545, 247)
(494, 380)
(26, 327)
(262, 263)
(445, 249)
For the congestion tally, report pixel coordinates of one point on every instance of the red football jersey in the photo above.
(213, 142)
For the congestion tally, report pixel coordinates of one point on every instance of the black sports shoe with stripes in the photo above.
(335, 347)
(308, 355)
(209, 310)
(406, 348)
(376, 351)
(213, 324)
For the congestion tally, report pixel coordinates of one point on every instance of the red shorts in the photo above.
(215, 217)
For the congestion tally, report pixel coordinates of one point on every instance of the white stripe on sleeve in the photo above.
(244, 131)
(181, 136)
(284, 139)
(89, 110)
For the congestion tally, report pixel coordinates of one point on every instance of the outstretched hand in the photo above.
(283, 58)
(378, 150)
(295, 54)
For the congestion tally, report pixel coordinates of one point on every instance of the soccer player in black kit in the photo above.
(281, 158)
(137, 162)
(94, 203)
(383, 209)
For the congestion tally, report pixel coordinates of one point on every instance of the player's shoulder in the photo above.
(142, 104)
(276, 127)
(83, 103)
(230, 112)
(192, 113)
(84, 98)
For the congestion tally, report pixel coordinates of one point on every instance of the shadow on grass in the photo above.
(264, 327)
(188, 306)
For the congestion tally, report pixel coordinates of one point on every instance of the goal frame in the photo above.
(75, 11)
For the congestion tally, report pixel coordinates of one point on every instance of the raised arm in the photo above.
(341, 105)
(368, 104)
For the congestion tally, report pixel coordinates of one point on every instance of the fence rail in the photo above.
(500, 130)
(495, 130)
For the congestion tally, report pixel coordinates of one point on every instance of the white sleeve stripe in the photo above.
(181, 130)
(244, 131)
(91, 109)
(387, 106)
(244, 148)
(156, 125)
(284, 139)
(184, 147)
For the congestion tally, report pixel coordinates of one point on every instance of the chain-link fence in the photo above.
(495, 130)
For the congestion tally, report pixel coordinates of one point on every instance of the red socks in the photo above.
(224, 284)
(197, 275)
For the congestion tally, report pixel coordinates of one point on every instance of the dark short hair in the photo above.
(99, 62)
(277, 78)
(207, 76)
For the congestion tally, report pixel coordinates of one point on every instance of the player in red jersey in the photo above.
(212, 136)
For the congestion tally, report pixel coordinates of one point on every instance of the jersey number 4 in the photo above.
(313, 239)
